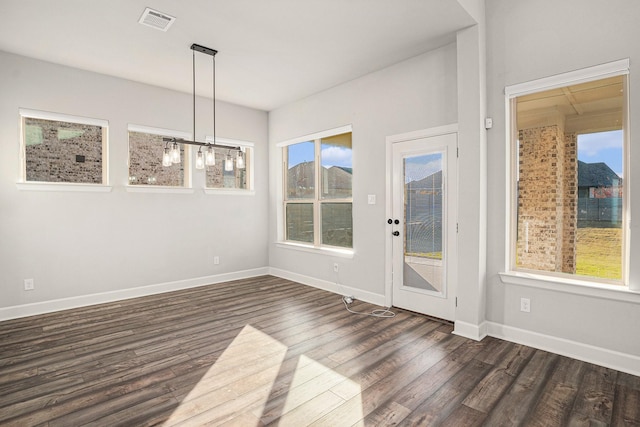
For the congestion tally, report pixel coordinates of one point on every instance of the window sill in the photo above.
(576, 287)
(158, 189)
(342, 253)
(63, 186)
(229, 191)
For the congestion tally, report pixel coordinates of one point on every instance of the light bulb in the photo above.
(175, 153)
(240, 160)
(166, 157)
(228, 163)
(199, 159)
(210, 158)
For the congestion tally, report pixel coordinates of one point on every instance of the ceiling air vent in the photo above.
(156, 19)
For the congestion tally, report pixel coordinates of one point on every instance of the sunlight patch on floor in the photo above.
(213, 398)
(310, 397)
(253, 371)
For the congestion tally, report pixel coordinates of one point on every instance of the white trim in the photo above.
(469, 330)
(320, 250)
(317, 135)
(336, 288)
(390, 140)
(423, 133)
(610, 69)
(60, 117)
(588, 353)
(571, 286)
(158, 189)
(158, 131)
(25, 310)
(63, 186)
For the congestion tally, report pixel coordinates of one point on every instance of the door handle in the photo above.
(396, 233)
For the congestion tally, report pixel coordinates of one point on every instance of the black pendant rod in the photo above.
(212, 52)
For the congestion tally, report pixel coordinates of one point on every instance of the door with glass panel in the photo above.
(424, 225)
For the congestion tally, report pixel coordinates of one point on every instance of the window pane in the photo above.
(337, 170)
(299, 218)
(57, 151)
(570, 179)
(145, 161)
(337, 224)
(301, 170)
(218, 175)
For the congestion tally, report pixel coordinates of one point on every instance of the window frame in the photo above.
(187, 181)
(529, 277)
(317, 201)
(23, 184)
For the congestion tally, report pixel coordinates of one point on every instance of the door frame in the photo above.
(388, 250)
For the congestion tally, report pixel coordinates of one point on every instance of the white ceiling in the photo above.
(271, 52)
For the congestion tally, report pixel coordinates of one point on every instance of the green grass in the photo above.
(598, 252)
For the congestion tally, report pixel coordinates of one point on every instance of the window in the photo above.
(568, 189)
(232, 169)
(146, 147)
(60, 148)
(317, 193)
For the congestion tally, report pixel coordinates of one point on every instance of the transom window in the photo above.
(146, 147)
(318, 175)
(232, 169)
(60, 148)
(569, 199)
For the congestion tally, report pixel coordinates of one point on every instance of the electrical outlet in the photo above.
(525, 305)
(216, 260)
(336, 268)
(29, 285)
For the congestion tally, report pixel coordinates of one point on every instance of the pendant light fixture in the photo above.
(171, 154)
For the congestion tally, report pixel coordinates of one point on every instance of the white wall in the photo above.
(76, 244)
(415, 94)
(527, 40)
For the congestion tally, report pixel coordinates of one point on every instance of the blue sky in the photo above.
(602, 147)
(332, 155)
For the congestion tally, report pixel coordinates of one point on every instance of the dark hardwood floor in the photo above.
(267, 351)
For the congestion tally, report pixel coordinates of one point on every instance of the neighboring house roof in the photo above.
(596, 175)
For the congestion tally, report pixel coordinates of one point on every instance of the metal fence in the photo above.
(606, 210)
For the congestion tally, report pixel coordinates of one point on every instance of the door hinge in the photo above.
(457, 228)
(456, 301)
(457, 152)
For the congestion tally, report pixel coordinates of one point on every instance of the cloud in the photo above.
(336, 156)
(592, 144)
(416, 171)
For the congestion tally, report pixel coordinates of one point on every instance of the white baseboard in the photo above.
(25, 310)
(325, 285)
(471, 331)
(587, 353)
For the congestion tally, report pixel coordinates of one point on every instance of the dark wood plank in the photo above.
(267, 350)
(596, 394)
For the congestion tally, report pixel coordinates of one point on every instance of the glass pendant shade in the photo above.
(175, 153)
(200, 159)
(210, 158)
(166, 157)
(240, 160)
(228, 163)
